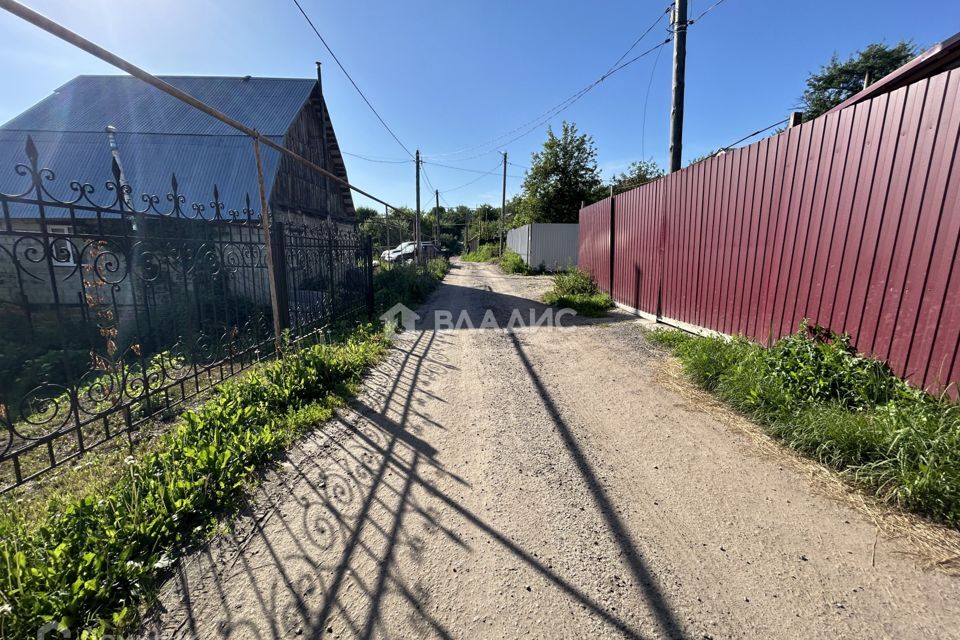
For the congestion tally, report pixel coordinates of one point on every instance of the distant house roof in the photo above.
(157, 135)
(937, 59)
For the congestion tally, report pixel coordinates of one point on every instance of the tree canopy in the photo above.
(639, 173)
(838, 80)
(561, 176)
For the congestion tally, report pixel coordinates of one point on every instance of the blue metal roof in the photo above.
(149, 163)
(157, 136)
(90, 103)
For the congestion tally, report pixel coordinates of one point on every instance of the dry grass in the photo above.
(935, 546)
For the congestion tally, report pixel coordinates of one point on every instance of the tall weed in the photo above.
(816, 393)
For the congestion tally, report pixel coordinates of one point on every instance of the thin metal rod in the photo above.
(268, 247)
(48, 25)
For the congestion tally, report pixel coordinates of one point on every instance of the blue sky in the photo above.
(449, 75)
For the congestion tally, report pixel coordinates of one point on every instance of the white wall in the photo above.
(552, 246)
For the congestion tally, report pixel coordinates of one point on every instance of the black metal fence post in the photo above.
(331, 274)
(279, 257)
(368, 273)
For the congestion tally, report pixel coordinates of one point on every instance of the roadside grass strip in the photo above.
(814, 392)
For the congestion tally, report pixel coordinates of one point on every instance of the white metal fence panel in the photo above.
(549, 246)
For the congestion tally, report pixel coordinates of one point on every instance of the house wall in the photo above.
(301, 195)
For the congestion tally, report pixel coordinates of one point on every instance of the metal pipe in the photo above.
(48, 25)
(268, 248)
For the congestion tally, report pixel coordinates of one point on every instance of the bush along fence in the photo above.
(115, 312)
(851, 220)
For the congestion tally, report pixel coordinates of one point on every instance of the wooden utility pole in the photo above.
(436, 220)
(679, 71)
(503, 201)
(416, 220)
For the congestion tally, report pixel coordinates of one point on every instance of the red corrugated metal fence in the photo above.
(851, 220)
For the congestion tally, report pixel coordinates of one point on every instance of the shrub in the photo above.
(816, 393)
(511, 262)
(484, 253)
(407, 283)
(575, 289)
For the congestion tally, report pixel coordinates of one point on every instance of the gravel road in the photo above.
(539, 483)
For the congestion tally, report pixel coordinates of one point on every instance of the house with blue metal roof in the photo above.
(157, 136)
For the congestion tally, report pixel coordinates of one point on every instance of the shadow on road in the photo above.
(324, 558)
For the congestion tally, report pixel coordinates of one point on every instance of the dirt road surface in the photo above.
(543, 484)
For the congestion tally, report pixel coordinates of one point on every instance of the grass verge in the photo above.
(407, 283)
(511, 262)
(814, 392)
(484, 253)
(91, 558)
(575, 289)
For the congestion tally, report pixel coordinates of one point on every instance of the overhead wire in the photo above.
(380, 160)
(646, 100)
(584, 91)
(477, 179)
(757, 132)
(552, 112)
(448, 166)
(350, 78)
(706, 11)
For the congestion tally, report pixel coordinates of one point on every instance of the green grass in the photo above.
(575, 289)
(485, 253)
(813, 391)
(92, 555)
(511, 262)
(407, 283)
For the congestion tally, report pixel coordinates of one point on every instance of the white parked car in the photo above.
(391, 255)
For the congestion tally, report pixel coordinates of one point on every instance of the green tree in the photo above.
(561, 176)
(366, 213)
(837, 81)
(705, 156)
(639, 173)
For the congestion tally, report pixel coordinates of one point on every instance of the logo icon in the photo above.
(408, 317)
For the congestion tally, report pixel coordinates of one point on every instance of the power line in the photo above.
(575, 98)
(450, 166)
(477, 179)
(423, 172)
(355, 86)
(380, 160)
(706, 11)
(642, 36)
(646, 100)
(757, 132)
(613, 69)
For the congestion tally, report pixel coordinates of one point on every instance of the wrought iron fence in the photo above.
(116, 312)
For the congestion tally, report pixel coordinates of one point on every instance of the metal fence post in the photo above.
(279, 275)
(368, 272)
(331, 249)
(613, 236)
(268, 246)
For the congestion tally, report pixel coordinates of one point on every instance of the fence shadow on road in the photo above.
(669, 625)
(349, 520)
(469, 307)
